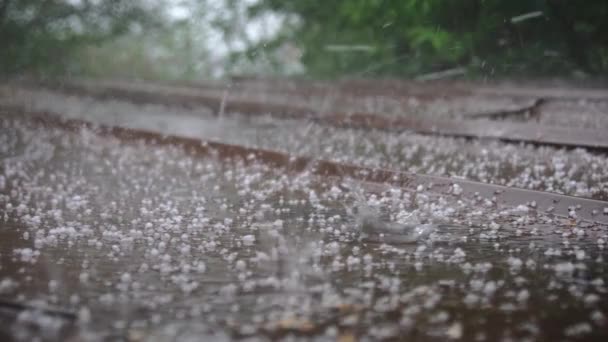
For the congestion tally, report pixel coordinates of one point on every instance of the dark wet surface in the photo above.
(123, 231)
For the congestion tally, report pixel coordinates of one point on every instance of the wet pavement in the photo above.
(144, 242)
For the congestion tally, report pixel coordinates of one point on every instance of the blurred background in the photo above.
(211, 39)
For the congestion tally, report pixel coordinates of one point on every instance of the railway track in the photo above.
(570, 137)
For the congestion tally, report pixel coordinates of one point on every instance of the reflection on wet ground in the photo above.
(151, 243)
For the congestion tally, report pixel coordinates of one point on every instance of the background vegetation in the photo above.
(189, 39)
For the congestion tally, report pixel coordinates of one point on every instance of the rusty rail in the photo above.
(591, 139)
(556, 204)
(427, 89)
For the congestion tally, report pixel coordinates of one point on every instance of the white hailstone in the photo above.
(578, 329)
(454, 332)
(459, 255)
(456, 189)
(530, 264)
(597, 282)
(580, 254)
(83, 277)
(74, 299)
(606, 211)
(352, 261)
(53, 286)
(523, 295)
(240, 265)
(514, 263)
(228, 291)
(466, 267)
(439, 317)
(201, 267)
(419, 250)
(27, 254)
(471, 299)
(143, 268)
(564, 268)
(84, 315)
(591, 299)
(598, 317)
(336, 265)
(523, 209)
(125, 277)
(332, 248)
(248, 240)
(520, 281)
(7, 285)
(489, 288)
(184, 250)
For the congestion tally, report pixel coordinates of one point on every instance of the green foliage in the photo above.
(39, 36)
(135, 38)
(409, 37)
(164, 53)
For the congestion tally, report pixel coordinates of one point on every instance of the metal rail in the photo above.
(592, 139)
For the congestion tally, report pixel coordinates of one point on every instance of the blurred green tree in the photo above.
(409, 37)
(38, 36)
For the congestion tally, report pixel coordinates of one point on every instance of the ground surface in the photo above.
(106, 238)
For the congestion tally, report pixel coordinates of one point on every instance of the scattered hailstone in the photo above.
(523, 295)
(578, 329)
(456, 189)
(159, 233)
(564, 268)
(240, 265)
(248, 240)
(53, 286)
(84, 315)
(454, 332)
(580, 255)
(7, 285)
(598, 317)
(125, 278)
